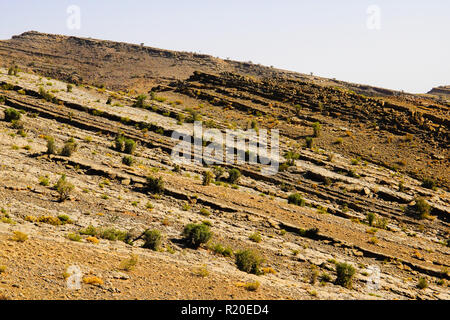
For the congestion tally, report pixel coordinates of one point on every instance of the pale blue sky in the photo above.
(410, 52)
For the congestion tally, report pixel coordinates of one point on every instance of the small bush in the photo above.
(12, 115)
(196, 234)
(208, 178)
(69, 148)
(128, 160)
(65, 219)
(64, 188)
(249, 261)
(155, 185)
(113, 234)
(89, 231)
(93, 280)
(316, 126)
(309, 142)
(129, 264)
(252, 286)
(74, 237)
(234, 176)
(152, 239)
(205, 212)
(421, 208)
(345, 273)
(19, 236)
(140, 101)
(225, 251)
(201, 271)
(54, 221)
(44, 181)
(371, 218)
(297, 199)
(130, 146)
(51, 146)
(119, 143)
(69, 88)
(422, 283)
(429, 184)
(256, 237)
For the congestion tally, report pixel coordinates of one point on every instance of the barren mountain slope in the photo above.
(301, 244)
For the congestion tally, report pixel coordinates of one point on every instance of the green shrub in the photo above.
(12, 114)
(69, 148)
(249, 261)
(65, 219)
(64, 188)
(316, 126)
(140, 101)
(69, 88)
(74, 237)
(297, 199)
(208, 178)
(255, 237)
(219, 249)
(44, 181)
(128, 160)
(155, 185)
(46, 95)
(130, 146)
(113, 234)
(422, 283)
(421, 208)
(234, 175)
(152, 239)
(119, 143)
(345, 273)
(51, 146)
(17, 124)
(429, 184)
(371, 218)
(89, 231)
(309, 142)
(196, 234)
(205, 212)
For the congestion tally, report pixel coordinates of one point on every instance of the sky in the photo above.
(396, 44)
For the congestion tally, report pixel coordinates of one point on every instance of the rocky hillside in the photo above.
(358, 210)
(441, 91)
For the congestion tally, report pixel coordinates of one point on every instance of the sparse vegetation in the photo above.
(128, 160)
(64, 188)
(345, 273)
(69, 148)
(234, 176)
(255, 237)
(297, 199)
(249, 261)
(317, 128)
(129, 264)
(421, 208)
(19, 236)
(152, 239)
(155, 185)
(12, 114)
(208, 178)
(196, 234)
